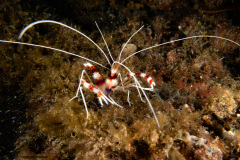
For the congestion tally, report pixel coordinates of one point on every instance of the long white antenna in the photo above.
(200, 36)
(55, 22)
(55, 49)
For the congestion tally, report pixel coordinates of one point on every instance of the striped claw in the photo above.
(143, 75)
(96, 76)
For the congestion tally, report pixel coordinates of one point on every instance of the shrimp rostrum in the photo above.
(114, 82)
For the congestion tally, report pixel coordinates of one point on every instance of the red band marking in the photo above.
(147, 76)
(138, 74)
(91, 88)
(99, 82)
(99, 94)
(151, 81)
(91, 68)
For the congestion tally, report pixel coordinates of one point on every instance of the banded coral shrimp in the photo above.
(102, 88)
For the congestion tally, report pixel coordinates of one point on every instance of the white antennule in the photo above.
(104, 41)
(55, 49)
(181, 39)
(119, 58)
(64, 25)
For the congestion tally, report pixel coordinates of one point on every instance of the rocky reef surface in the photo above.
(196, 97)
